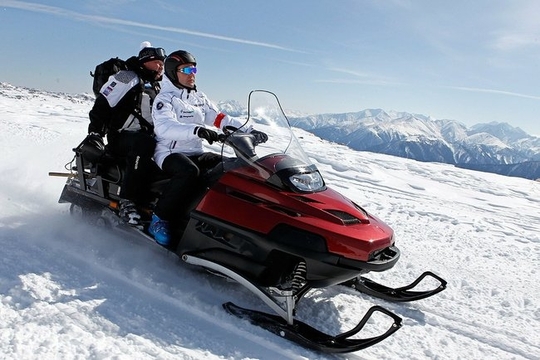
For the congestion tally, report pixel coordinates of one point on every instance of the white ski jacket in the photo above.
(176, 113)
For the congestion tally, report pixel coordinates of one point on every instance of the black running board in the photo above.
(401, 294)
(307, 336)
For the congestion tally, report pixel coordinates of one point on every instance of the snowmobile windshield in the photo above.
(280, 159)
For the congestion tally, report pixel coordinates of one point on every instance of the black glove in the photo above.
(95, 140)
(209, 135)
(260, 137)
(92, 147)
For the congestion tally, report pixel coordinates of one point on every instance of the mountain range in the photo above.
(494, 147)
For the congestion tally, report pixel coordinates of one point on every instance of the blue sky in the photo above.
(470, 61)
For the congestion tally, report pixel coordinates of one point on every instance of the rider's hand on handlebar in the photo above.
(260, 137)
(221, 138)
(209, 135)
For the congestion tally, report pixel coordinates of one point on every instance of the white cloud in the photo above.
(495, 92)
(113, 21)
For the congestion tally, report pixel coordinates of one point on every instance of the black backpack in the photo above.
(104, 70)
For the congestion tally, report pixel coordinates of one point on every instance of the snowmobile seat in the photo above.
(111, 169)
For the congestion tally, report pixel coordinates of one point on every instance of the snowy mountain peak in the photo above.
(423, 138)
(503, 131)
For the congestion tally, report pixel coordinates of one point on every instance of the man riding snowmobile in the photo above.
(181, 115)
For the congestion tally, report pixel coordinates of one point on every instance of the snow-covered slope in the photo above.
(68, 291)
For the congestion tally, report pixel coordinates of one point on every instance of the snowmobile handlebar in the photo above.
(243, 143)
(229, 130)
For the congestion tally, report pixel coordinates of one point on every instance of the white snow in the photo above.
(69, 291)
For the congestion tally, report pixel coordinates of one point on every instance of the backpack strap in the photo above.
(136, 112)
(142, 121)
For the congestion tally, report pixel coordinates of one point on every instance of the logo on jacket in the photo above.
(159, 105)
(109, 88)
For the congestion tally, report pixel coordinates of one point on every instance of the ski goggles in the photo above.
(150, 53)
(188, 70)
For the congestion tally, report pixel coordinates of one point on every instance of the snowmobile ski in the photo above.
(286, 326)
(401, 294)
(307, 336)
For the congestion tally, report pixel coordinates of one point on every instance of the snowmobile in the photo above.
(265, 218)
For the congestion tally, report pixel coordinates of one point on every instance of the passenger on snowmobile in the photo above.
(122, 112)
(180, 114)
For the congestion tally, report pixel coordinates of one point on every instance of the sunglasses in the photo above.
(188, 70)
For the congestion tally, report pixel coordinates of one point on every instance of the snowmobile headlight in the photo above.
(311, 181)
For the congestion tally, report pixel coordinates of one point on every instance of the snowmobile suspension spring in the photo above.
(299, 275)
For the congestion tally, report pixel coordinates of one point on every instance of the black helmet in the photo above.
(176, 59)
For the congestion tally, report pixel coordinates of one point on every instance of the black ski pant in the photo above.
(135, 151)
(185, 183)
